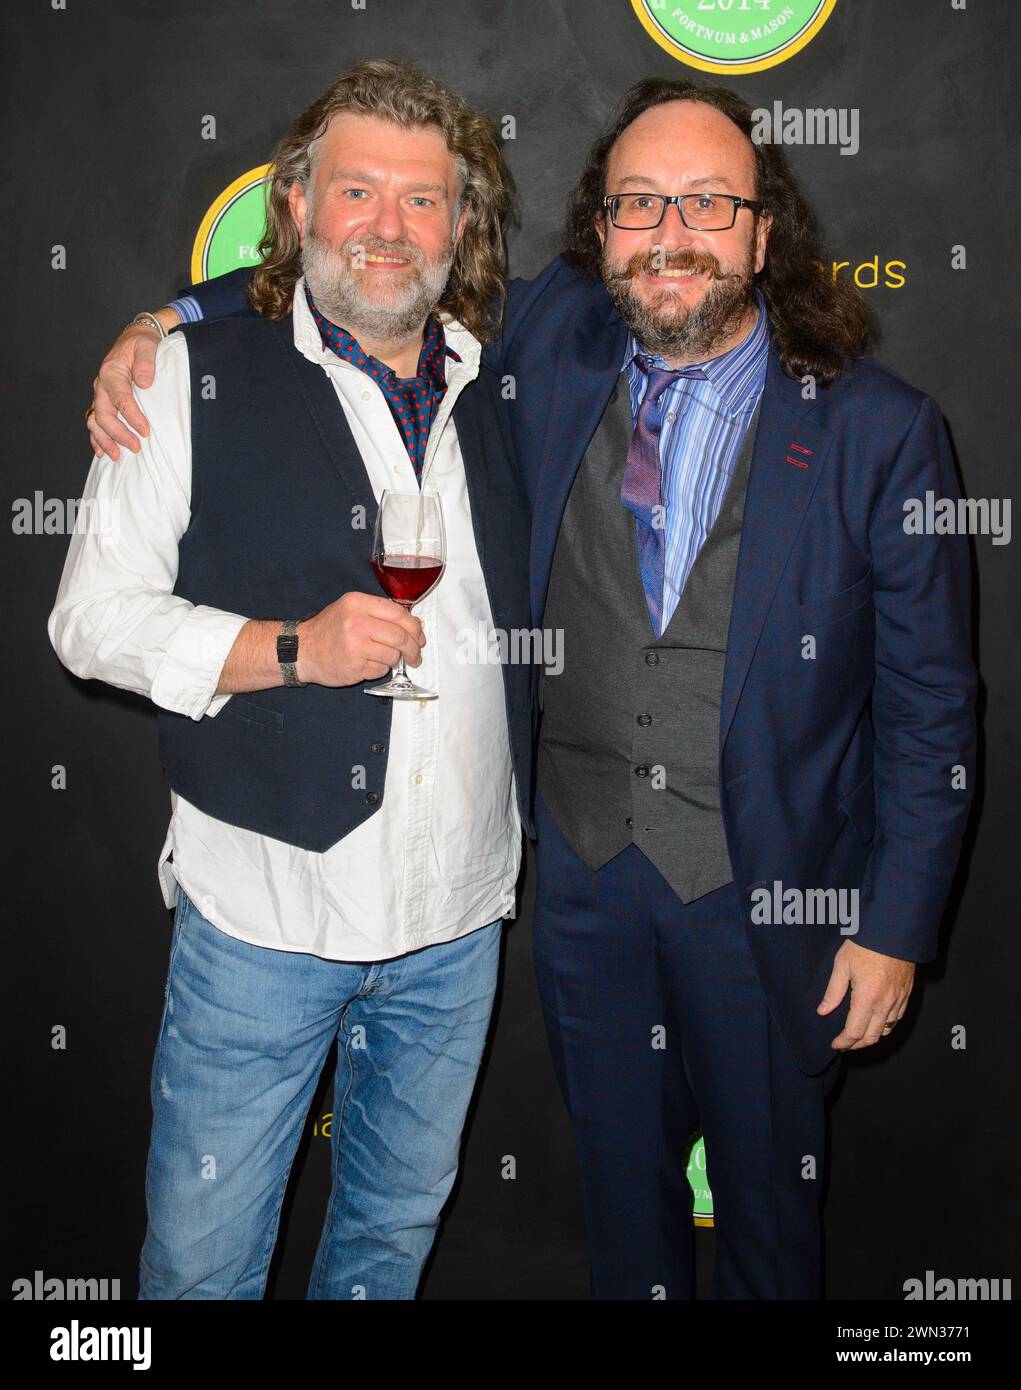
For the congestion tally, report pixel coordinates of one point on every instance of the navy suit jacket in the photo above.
(847, 730)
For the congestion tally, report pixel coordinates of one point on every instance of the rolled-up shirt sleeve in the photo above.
(116, 617)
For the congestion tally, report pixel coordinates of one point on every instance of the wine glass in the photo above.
(409, 552)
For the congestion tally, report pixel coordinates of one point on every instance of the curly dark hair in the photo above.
(818, 323)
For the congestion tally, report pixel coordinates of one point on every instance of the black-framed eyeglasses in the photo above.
(703, 212)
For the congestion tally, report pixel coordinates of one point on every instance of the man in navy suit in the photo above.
(755, 768)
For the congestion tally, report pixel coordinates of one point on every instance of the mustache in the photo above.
(654, 260)
(372, 246)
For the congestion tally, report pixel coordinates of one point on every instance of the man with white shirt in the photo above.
(340, 866)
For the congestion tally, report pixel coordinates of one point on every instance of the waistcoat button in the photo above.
(641, 771)
(645, 720)
(652, 658)
(379, 748)
(371, 798)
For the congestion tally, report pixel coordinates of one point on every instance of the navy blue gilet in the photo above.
(276, 482)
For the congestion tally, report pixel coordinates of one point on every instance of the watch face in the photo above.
(287, 647)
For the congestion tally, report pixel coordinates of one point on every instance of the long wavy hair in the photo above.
(818, 323)
(404, 95)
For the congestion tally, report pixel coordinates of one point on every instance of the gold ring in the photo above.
(89, 413)
(888, 1027)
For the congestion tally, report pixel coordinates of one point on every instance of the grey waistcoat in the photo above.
(630, 732)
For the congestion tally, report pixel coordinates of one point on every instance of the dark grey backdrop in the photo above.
(102, 105)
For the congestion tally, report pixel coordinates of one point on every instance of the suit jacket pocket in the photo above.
(829, 607)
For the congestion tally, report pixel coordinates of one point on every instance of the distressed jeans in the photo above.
(243, 1039)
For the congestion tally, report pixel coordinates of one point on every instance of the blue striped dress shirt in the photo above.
(703, 424)
(189, 310)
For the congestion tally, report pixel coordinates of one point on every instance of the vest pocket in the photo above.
(251, 713)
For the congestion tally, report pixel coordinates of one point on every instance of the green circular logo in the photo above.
(229, 234)
(702, 1206)
(733, 35)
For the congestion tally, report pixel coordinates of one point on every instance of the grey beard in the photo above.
(338, 296)
(699, 332)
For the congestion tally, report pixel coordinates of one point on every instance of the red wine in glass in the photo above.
(409, 552)
(407, 578)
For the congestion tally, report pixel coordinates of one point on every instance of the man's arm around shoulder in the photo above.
(131, 360)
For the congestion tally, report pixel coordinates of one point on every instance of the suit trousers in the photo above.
(659, 1026)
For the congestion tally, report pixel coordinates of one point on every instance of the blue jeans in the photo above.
(243, 1039)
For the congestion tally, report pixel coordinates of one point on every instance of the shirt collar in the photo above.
(737, 374)
(463, 349)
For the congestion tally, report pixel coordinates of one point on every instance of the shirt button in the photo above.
(652, 658)
(645, 720)
(379, 748)
(366, 395)
(371, 798)
(642, 771)
(418, 778)
(671, 417)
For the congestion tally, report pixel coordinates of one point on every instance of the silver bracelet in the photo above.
(151, 321)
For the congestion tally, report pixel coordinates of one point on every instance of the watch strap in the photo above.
(287, 652)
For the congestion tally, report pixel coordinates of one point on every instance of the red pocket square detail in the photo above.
(798, 463)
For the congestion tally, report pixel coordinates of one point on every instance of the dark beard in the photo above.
(668, 332)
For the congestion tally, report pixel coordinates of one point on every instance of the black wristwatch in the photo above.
(287, 652)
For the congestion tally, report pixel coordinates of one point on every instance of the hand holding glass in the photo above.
(409, 552)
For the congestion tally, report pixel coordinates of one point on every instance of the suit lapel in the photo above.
(587, 368)
(789, 455)
(470, 439)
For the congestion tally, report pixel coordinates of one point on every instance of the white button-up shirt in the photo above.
(440, 856)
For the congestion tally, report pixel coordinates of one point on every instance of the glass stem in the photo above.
(401, 673)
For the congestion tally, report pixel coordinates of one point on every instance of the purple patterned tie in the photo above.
(640, 489)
